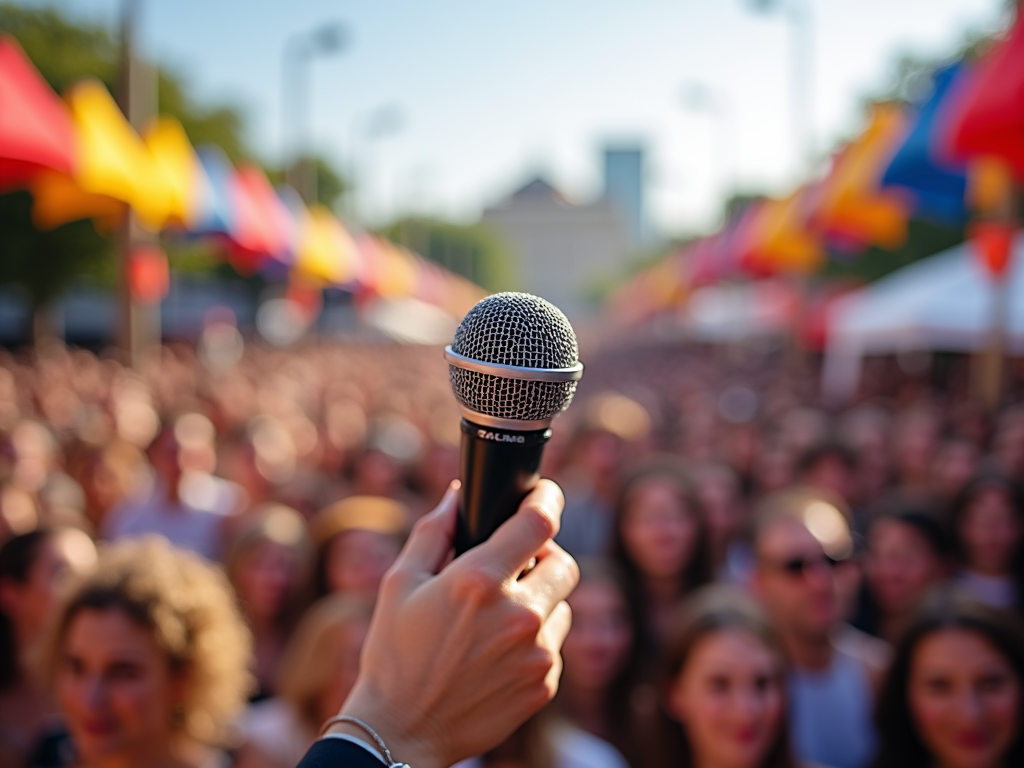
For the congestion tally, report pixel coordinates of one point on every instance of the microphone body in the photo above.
(513, 366)
(498, 468)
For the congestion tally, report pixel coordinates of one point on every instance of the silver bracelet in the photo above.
(391, 763)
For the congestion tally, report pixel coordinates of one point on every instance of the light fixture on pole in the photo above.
(699, 97)
(386, 120)
(138, 327)
(799, 15)
(295, 110)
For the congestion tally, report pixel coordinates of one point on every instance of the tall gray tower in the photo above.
(624, 188)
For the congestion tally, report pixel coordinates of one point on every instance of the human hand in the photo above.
(459, 655)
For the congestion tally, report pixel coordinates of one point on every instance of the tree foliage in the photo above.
(474, 251)
(65, 50)
(45, 262)
(924, 238)
(331, 185)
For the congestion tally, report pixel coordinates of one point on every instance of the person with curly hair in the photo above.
(149, 659)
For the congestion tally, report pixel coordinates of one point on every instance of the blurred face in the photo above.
(357, 561)
(116, 689)
(900, 565)
(773, 469)
(1008, 446)
(349, 645)
(830, 473)
(33, 455)
(659, 530)
(797, 582)
(916, 444)
(990, 530)
(598, 643)
(729, 698)
(266, 576)
(164, 455)
(722, 508)
(964, 698)
(377, 473)
(953, 466)
(601, 453)
(31, 604)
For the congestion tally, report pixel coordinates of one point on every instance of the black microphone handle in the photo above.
(498, 467)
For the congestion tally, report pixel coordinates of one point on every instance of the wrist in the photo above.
(350, 729)
(406, 744)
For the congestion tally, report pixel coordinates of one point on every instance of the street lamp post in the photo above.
(800, 17)
(295, 108)
(138, 327)
(699, 97)
(386, 120)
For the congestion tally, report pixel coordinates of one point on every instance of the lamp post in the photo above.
(386, 120)
(699, 97)
(799, 15)
(299, 50)
(138, 327)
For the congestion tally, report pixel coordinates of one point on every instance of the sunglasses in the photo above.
(799, 566)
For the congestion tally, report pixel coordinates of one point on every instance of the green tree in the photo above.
(909, 81)
(66, 50)
(331, 184)
(45, 262)
(222, 125)
(924, 239)
(62, 49)
(474, 251)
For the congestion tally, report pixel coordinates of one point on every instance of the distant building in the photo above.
(563, 248)
(624, 187)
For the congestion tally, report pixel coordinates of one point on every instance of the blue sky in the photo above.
(492, 92)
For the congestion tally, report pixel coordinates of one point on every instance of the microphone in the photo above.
(513, 366)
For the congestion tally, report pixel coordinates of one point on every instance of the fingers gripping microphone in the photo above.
(513, 367)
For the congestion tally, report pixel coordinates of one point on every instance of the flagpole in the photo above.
(138, 323)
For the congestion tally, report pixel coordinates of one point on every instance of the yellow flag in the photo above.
(171, 194)
(326, 252)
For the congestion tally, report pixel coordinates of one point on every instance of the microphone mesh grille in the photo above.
(520, 330)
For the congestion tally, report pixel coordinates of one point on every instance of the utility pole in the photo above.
(295, 103)
(138, 323)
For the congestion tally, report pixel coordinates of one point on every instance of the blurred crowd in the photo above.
(189, 555)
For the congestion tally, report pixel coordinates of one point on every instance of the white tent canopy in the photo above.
(944, 303)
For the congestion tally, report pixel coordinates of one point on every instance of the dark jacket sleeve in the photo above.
(338, 753)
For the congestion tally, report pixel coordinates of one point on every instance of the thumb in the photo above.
(431, 539)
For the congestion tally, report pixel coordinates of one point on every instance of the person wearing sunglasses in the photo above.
(802, 545)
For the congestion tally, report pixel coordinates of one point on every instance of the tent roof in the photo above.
(942, 303)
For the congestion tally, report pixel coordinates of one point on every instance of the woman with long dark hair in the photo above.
(907, 554)
(267, 564)
(599, 691)
(662, 545)
(723, 684)
(952, 697)
(33, 567)
(987, 526)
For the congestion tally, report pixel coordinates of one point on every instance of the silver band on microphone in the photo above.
(512, 425)
(573, 373)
